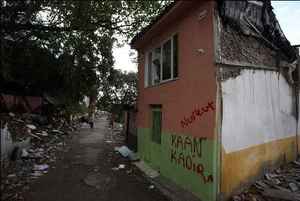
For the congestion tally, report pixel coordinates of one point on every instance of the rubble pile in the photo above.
(31, 146)
(283, 184)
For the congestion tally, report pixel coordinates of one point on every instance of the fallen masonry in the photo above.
(29, 147)
(283, 184)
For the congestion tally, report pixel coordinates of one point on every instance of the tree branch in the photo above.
(29, 26)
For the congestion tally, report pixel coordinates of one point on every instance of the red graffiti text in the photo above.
(197, 113)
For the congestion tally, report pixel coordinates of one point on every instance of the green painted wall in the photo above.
(188, 161)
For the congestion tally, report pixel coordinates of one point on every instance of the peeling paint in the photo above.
(258, 126)
(227, 73)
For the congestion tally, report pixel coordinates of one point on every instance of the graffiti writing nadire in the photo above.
(185, 151)
(197, 113)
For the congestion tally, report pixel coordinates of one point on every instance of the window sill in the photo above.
(163, 82)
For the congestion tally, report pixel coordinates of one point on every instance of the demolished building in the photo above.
(218, 101)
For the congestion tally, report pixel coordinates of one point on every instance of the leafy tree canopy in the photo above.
(119, 90)
(64, 47)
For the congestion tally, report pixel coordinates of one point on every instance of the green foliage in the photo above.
(120, 91)
(120, 88)
(64, 47)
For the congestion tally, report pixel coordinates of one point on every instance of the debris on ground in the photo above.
(29, 145)
(115, 168)
(150, 172)
(30, 126)
(283, 184)
(123, 150)
(126, 152)
(121, 166)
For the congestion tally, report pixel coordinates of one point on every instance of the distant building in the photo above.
(218, 100)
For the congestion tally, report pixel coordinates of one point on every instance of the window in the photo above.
(156, 65)
(166, 57)
(156, 124)
(162, 62)
(175, 56)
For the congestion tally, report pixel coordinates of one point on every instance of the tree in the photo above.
(119, 92)
(68, 42)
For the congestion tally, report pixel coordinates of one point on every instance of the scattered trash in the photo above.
(35, 136)
(96, 169)
(293, 187)
(123, 150)
(36, 174)
(24, 153)
(60, 144)
(115, 168)
(43, 133)
(281, 184)
(41, 167)
(57, 131)
(11, 175)
(126, 152)
(29, 144)
(151, 187)
(30, 126)
(121, 166)
(296, 162)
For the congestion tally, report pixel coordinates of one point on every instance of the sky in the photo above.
(122, 59)
(287, 13)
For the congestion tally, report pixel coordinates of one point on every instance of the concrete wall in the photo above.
(258, 126)
(187, 154)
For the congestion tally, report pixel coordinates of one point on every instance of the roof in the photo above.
(251, 17)
(256, 18)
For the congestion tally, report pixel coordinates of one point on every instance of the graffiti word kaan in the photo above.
(185, 151)
(198, 112)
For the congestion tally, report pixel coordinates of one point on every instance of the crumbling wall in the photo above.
(257, 77)
(258, 126)
(237, 47)
(257, 19)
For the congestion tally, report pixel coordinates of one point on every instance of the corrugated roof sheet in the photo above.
(258, 19)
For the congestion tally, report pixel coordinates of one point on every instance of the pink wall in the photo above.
(196, 83)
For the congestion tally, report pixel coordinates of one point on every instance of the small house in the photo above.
(218, 95)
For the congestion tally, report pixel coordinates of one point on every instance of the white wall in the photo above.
(257, 108)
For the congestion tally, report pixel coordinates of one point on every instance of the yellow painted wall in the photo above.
(258, 130)
(248, 164)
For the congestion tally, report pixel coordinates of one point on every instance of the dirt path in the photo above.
(86, 173)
